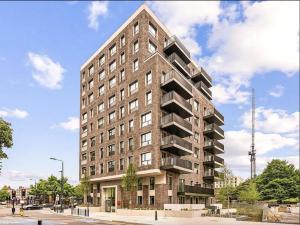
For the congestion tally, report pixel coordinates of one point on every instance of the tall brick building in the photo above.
(144, 101)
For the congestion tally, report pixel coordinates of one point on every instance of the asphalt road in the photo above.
(32, 217)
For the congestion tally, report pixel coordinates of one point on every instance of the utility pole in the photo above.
(62, 183)
(252, 152)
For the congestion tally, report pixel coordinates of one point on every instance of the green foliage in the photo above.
(249, 194)
(254, 212)
(129, 180)
(6, 139)
(4, 193)
(279, 180)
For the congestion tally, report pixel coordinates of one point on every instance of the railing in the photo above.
(209, 112)
(195, 189)
(173, 74)
(205, 74)
(172, 117)
(84, 121)
(173, 161)
(210, 158)
(211, 127)
(174, 39)
(84, 134)
(209, 173)
(175, 57)
(84, 148)
(173, 95)
(80, 212)
(212, 142)
(200, 85)
(173, 139)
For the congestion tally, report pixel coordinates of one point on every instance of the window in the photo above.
(121, 164)
(122, 129)
(101, 75)
(91, 113)
(122, 41)
(91, 98)
(133, 105)
(84, 129)
(148, 78)
(151, 183)
(92, 156)
(146, 139)
(83, 76)
(112, 50)
(122, 112)
(130, 125)
(133, 87)
(83, 170)
(101, 137)
(112, 66)
(91, 127)
(101, 90)
(92, 170)
(111, 133)
(152, 30)
(101, 168)
(196, 121)
(102, 60)
(169, 199)
(135, 65)
(151, 47)
(112, 82)
(93, 141)
(101, 153)
(170, 182)
(130, 158)
(111, 150)
(91, 70)
(146, 159)
(122, 94)
(140, 184)
(130, 144)
(196, 137)
(84, 156)
(83, 102)
(196, 168)
(84, 116)
(122, 75)
(136, 46)
(122, 58)
(84, 143)
(111, 101)
(139, 200)
(111, 166)
(148, 98)
(111, 116)
(196, 105)
(91, 84)
(101, 107)
(151, 200)
(197, 152)
(146, 119)
(136, 28)
(122, 146)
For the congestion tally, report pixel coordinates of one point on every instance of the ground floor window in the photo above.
(140, 200)
(151, 200)
(170, 199)
(181, 200)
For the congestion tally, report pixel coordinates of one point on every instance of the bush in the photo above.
(254, 212)
(291, 200)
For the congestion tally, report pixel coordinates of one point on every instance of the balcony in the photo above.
(202, 76)
(84, 148)
(176, 145)
(83, 121)
(173, 102)
(204, 89)
(179, 64)
(213, 161)
(213, 116)
(176, 165)
(174, 124)
(213, 146)
(195, 190)
(213, 131)
(211, 175)
(83, 162)
(173, 44)
(172, 81)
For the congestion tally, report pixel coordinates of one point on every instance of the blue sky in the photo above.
(43, 44)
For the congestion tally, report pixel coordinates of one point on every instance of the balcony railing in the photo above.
(201, 75)
(84, 148)
(211, 173)
(215, 130)
(176, 145)
(213, 158)
(213, 115)
(174, 40)
(174, 96)
(184, 189)
(179, 64)
(84, 134)
(176, 125)
(84, 121)
(176, 164)
(204, 89)
(215, 145)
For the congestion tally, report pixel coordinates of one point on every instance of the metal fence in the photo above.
(80, 211)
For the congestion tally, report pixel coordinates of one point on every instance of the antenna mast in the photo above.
(252, 153)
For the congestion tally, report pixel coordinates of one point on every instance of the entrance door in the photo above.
(110, 205)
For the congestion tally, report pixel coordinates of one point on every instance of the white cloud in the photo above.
(71, 124)
(45, 71)
(272, 120)
(183, 17)
(96, 9)
(277, 91)
(15, 175)
(17, 113)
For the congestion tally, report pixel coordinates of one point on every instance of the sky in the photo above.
(241, 44)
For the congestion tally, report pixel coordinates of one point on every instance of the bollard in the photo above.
(155, 215)
(84, 212)
(78, 211)
(39, 222)
(88, 212)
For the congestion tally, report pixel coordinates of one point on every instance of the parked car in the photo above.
(47, 205)
(58, 207)
(32, 207)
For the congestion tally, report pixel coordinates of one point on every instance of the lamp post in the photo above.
(62, 182)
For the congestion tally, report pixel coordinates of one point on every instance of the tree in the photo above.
(129, 181)
(4, 193)
(249, 194)
(6, 139)
(279, 180)
(86, 188)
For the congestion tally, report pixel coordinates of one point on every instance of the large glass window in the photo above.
(111, 150)
(91, 70)
(148, 98)
(135, 65)
(111, 166)
(112, 82)
(136, 46)
(151, 47)
(152, 30)
(92, 170)
(113, 50)
(146, 139)
(112, 101)
(111, 116)
(101, 107)
(133, 87)
(136, 28)
(146, 159)
(101, 75)
(148, 78)
(102, 60)
(112, 66)
(111, 133)
(133, 105)
(101, 90)
(151, 183)
(146, 119)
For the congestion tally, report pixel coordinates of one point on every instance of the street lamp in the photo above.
(62, 182)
